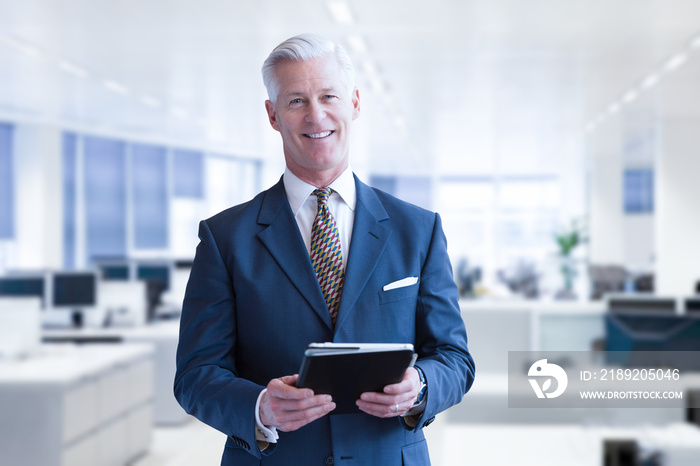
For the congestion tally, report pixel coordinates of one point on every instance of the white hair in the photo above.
(302, 48)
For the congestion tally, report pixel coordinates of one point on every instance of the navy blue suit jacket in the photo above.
(253, 304)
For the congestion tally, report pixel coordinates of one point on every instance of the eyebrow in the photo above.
(326, 90)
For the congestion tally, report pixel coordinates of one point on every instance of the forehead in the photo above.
(301, 76)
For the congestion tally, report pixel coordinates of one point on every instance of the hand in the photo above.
(288, 408)
(395, 400)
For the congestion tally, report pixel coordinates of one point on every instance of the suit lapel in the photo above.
(283, 240)
(369, 238)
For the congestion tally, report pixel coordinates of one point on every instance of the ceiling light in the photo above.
(22, 46)
(630, 96)
(73, 69)
(116, 87)
(150, 101)
(675, 61)
(695, 43)
(340, 12)
(650, 81)
(357, 44)
(614, 108)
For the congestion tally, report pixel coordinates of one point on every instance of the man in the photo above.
(259, 292)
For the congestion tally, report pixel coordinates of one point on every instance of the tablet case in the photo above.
(350, 371)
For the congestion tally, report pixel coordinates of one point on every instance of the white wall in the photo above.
(39, 198)
(606, 217)
(678, 214)
(639, 242)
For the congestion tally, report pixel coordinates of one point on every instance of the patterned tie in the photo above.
(326, 255)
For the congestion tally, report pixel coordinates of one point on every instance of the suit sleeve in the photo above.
(441, 338)
(206, 381)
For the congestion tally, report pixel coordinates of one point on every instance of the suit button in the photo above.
(330, 460)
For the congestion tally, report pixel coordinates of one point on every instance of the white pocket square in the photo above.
(408, 281)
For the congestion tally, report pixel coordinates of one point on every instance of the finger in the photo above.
(281, 405)
(290, 379)
(404, 386)
(291, 420)
(382, 410)
(388, 399)
(409, 382)
(311, 416)
(280, 412)
(281, 388)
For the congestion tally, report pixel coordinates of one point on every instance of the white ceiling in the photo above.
(464, 85)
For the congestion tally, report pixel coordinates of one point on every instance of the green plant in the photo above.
(568, 238)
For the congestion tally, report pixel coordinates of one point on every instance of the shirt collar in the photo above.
(298, 191)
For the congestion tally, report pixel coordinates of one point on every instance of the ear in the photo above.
(272, 114)
(355, 103)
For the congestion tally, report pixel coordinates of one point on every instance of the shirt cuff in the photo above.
(416, 410)
(262, 433)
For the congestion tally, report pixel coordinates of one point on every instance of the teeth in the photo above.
(319, 135)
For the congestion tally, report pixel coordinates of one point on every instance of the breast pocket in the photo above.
(398, 294)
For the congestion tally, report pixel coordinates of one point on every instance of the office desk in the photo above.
(70, 405)
(496, 327)
(163, 335)
(487, 404)
(557, 445)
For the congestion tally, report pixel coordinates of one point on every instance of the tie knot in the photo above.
(322, 194)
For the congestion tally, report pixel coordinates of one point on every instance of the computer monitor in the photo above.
(183, 264)
(647, 340)
(112, 268)
(23, 286)
(639, 303)
(115, 271)
(154, 272)
(692, 306)
(157, 278)
(74, 291)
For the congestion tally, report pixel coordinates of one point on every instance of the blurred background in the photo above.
(558, 140)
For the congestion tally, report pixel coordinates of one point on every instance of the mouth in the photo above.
(321, 135)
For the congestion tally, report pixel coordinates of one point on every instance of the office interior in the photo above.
(556, 138)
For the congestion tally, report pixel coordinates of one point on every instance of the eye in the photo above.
(296, 101)
(329, 96)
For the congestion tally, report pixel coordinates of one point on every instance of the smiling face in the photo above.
(313, 113)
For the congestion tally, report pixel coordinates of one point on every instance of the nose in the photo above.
(316, 113)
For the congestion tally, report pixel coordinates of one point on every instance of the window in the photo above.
(70, 198)
(494, 222)
(132, 200)
(105, 198)
(149, 190)
(6, 183)
(639, 191)
(188, 174)
(417, 190)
